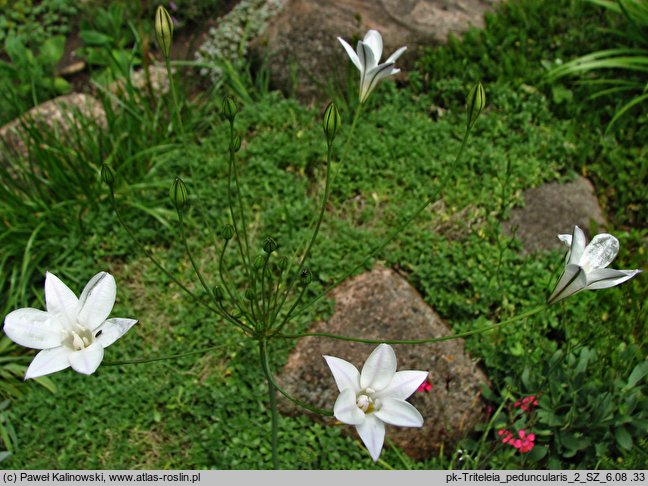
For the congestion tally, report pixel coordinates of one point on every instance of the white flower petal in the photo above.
(403, 384)
(566, 239)
(365, 56)
(34, 328)
(398, 412)
(600, 252)
(60, 300)
(374, 75)
(603, 278)
(577, 246)
(87, 360)
(49, 361)
(345, 374)
(373, 39)
(112, 329)
(346, 410)
(372, 433)
(354, 57)
(97, 300)
(379, 369)
(396, 54)
(572, 280)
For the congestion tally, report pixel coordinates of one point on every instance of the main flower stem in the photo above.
(268, 373)
(272, 395)
(234, 298)
(327, 192)
(354, 122)
(198, 273)
(152, 258)
(419, 341)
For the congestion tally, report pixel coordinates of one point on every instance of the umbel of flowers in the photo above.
(74, 332)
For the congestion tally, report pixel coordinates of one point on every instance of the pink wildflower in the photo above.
(527, 404)
(426, 386)
(525, 443)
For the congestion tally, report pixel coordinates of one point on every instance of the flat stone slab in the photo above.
(382, 305)
(60, 114)
(553, 209)
(304, 34)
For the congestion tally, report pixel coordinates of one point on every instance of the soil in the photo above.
(186, 41)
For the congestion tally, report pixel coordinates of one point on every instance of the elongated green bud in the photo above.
(258, 261)
(475, 102)
(235, 144)
(107, 175)
(227, 232)
(249, 294)
(218, 293)
(178, 194)
(331, 122)
(282, 263)
(269, 245)
(306, 276)
(229, 109)
(163, 30)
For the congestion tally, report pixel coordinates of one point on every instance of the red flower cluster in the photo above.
(524, 443)
(426, 386)
(527, 403)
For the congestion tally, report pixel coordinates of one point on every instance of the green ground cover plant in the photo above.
(211, 412)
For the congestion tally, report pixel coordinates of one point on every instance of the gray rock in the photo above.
(304, 34)
(382, 305)
(553, 209)
(59, 114)
(152, 81)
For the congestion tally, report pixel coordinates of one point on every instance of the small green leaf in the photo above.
(623, 438)
(537, 453)
(637, 374)
(52, 50)
(94, 38)
(61, 86)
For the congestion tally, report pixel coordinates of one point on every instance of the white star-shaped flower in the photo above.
(72, 332)
(366, 58)
(376, 396)
(585, 265)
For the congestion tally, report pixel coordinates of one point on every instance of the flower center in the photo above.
(367, 402)
(79, 338)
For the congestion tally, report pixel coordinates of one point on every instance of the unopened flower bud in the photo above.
(218, 293)
(332, 122)
(475, 102)
(227, 232)
(107, 175)
(269, 245)
(306, 276)
(282, 263)
(258, 261)
(235, 144)
(178, 193)
(249, 294)
(229, 109)
(163, 30)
